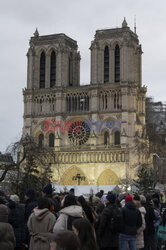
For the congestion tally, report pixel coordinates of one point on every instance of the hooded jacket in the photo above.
(61, 223)
(132, 219)
(41, 221)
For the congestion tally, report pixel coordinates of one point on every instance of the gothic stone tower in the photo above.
(103, 118)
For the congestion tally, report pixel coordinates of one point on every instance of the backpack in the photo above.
(70, 220)
(117, 221)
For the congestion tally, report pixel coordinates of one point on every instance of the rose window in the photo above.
(79, 133)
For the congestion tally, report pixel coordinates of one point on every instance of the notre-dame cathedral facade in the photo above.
(91, 128)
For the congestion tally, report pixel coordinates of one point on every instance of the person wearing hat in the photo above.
(2, 194)
(47, 193)
(108, 239)
(3, 197)
(30, 204)
(132, 222)
(64, 240)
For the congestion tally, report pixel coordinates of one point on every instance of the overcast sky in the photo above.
(78, 19)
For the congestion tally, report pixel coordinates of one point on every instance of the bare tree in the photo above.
(32, 165)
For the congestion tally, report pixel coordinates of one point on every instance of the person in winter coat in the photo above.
(47, 192)
(149, 232)
(140, 231)
(83, 229)
(132, 222)
(16, 219)
(158, 219)
(96, 203)
(69, 211)
(7, 238)
(86, 208)
(3, 196)
(30, 202)
(108, 239)
(41, 221)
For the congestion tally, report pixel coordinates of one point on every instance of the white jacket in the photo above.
(140, 235)
(61, 223)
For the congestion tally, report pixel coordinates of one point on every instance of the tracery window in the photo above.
(51, 140)
(79, 133)
(42, 70)
(106, 138)
(77, 102)
(53, 69)
(117, 138)
(41, 139)
(106, 64)
(117, 64)
(110, 100)
(70, 70)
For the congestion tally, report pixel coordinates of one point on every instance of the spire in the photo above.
(135, 29)
(36, 33)
(124, 24)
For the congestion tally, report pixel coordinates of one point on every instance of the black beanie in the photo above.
(30, 193)
(47, 189)
(111, 198)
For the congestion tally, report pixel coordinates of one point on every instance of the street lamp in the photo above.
(78, 178)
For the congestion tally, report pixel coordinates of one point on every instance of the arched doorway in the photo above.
(108, 177)
(69, 177)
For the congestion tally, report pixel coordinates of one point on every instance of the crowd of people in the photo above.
(66, 222)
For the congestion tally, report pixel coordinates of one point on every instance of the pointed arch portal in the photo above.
(68, 177)
(108, 177)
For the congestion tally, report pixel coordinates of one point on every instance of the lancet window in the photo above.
(117, 64)
(41, 139)
(106, 64)
(51, 140)
(70, 70)
(106, 138)
(117, 138)
(42, 70)
(52, 69)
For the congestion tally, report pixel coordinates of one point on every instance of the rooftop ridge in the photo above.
(63, 35)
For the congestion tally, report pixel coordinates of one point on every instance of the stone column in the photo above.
(78, 69)
(100, 62)
(64, 69)
(94, 101)
(58, 106)
(29, 69)
(94, 61)
(124, 117)
(36, 66)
